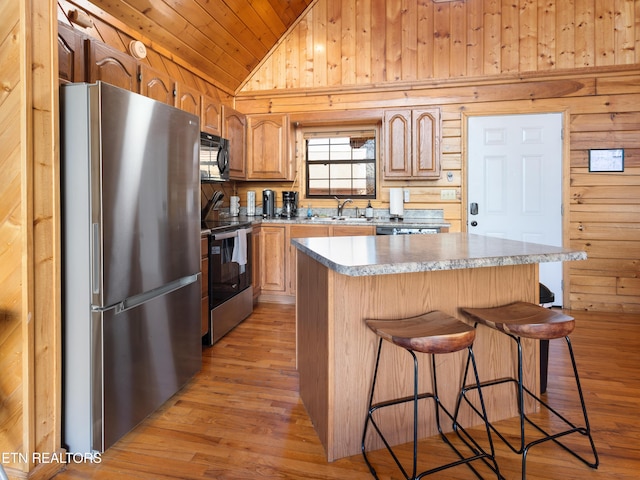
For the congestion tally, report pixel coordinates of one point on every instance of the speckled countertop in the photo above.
(389, 254)
(412, 219)
(375, 222)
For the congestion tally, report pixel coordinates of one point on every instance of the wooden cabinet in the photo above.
(256, 270)
(352, 230)
(411, 144)
(112, 66)
(210, 116)
(71, 65)
(278, 256)
(204, 278)
(267, 147)
(234, 128)
(188, 99)
(301, 231)
(157, 85)
(273, 263)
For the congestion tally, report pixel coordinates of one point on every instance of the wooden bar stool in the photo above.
(432, 333)
(527, 320)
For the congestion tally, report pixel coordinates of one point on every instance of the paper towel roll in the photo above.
(396, 206)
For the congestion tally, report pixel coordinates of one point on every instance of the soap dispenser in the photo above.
(368, 212)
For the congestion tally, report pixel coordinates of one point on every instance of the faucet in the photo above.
(341, 205)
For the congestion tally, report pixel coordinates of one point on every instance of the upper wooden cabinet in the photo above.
(211, 116)
(411, 143)
(188, 99)
(234, 129)
(71, 66)
(267, 147)
(157, 85)
(112, 66)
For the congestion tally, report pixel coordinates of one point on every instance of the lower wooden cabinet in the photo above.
(204, 270)
(278, 256)
(301, 231)
(256, 270)
(352, 230)
(273, 259)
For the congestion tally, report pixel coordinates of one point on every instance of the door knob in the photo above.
(474, 224)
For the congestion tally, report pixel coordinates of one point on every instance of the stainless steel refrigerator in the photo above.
(131, 259)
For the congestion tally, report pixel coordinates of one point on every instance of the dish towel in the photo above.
(239, 254)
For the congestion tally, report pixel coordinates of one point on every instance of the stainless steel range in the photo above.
(230, 269)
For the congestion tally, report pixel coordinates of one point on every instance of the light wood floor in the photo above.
(241, 417)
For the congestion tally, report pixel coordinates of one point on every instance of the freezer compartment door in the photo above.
(138, 359)
(150, 352)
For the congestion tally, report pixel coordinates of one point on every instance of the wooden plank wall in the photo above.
(389, 41)
(486, 57)
(12, 231)
(29, 240)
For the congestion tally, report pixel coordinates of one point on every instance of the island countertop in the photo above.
(342, 281)
(392, 254)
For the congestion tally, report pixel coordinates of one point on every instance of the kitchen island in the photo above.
(343, 280)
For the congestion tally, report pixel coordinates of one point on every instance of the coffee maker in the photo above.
(289, 204)
(268, 203)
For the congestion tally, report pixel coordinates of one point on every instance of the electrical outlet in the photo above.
(407, 195)
(448, 194)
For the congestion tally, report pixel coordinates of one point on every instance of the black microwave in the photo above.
(214, 158)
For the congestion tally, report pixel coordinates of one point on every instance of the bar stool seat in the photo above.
(432, 333)
(527, 320)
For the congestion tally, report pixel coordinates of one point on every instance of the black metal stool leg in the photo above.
(478, 452)
(461, 432)
(521, 392)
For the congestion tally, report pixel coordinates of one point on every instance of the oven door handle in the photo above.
(225, 235)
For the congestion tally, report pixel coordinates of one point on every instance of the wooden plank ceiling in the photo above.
(225, 39)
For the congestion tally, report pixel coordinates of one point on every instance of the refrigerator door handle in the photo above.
(136, 300)
(95, 263)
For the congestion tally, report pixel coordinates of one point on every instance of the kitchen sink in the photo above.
(338, 219)
(349, 219)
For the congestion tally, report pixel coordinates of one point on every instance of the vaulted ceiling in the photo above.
(225, 39)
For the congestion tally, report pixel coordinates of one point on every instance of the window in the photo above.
(341, 164)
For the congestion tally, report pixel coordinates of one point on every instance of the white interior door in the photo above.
(515, 183)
